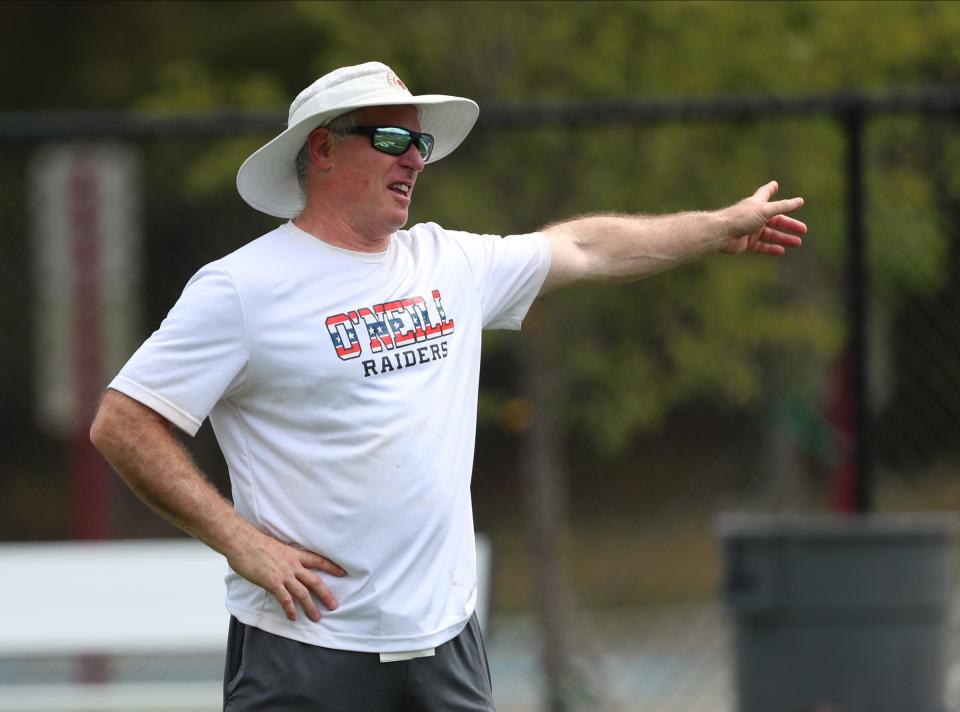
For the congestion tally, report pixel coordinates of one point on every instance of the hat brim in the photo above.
(267, 180)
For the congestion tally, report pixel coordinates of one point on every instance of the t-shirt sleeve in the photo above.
(197, 356)
(508, 272)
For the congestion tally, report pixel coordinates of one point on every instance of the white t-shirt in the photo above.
(342, 388)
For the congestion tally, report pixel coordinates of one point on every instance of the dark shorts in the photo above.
(271, 673)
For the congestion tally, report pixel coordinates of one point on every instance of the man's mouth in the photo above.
(401, 188)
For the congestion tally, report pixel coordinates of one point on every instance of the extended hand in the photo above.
(759, 225)
(288, 574)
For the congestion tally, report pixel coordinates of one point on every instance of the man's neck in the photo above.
(337, 232)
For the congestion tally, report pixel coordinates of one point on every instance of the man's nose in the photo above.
(412, 158)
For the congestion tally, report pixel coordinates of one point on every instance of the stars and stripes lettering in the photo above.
(445, 324)
(344, 336)
(388, 326)
(377, 330)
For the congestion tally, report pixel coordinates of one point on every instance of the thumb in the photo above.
(765, 192)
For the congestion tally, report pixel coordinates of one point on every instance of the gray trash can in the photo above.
(851, 612)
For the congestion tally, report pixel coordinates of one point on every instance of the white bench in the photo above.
(111, 598)
(121, 598)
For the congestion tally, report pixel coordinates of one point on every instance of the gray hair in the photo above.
(338, 127)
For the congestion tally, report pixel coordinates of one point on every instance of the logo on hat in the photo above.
(395, 81)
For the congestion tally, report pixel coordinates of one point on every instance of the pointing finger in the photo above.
(783, 206)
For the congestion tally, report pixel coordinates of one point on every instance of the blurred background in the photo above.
(623, 420)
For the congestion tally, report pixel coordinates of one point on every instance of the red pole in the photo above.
(89, 475)
(841, 415)
(89, 472)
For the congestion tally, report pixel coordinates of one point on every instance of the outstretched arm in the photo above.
(626, 247)
(138, 443)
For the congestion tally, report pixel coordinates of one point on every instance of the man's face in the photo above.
(368, 182)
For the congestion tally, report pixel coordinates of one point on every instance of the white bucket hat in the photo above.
(267, 180)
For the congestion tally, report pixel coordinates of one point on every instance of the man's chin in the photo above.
(401, 221)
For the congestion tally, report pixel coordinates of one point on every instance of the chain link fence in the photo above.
(655, 406)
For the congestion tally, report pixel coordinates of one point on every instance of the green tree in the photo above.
(640, 352)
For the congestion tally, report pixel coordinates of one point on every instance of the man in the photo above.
(338, 358)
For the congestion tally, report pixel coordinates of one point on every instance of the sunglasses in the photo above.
(395, 140)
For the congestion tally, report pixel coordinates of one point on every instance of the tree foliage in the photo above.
(718, 332)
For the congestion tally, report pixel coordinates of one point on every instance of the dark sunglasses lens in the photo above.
(392, 141)
(425, 146)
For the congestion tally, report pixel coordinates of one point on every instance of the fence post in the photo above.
(858, 294)
(543, 469)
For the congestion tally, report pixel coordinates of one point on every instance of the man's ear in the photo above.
(319, 148)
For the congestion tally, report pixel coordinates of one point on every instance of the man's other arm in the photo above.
(614, 247)
(138, 442)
